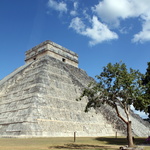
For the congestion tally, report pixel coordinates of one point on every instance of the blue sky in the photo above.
(99, 31)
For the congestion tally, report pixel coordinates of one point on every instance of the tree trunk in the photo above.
(129, 134)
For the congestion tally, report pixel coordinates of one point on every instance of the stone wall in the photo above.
(54, 50)
(39, 100)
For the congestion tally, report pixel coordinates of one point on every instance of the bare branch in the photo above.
(118, 114)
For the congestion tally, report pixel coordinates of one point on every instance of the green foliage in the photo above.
(116, 86)
(119, 86)
(146, 83)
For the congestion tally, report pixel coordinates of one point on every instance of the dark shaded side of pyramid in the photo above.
(39, 99)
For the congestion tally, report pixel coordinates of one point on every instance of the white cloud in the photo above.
(75, 4)
(74, 11)
(144, 35)
(78, 25)
(113, 12)
(125, 30)
(98, 33)
(106, 16)
(86, 15)
(61, 6)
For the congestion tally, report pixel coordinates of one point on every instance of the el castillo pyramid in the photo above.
(39, 99)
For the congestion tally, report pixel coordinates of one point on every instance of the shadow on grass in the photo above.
(119, 141)
(81, 146)
(105, 143)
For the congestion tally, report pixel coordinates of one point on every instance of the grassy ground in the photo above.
(100, 143)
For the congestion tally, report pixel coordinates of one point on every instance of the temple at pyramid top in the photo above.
(54, 50)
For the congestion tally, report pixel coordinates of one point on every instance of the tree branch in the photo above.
(126, 110)
(117, 111)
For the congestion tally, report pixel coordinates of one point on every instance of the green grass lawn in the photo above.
(90, 143)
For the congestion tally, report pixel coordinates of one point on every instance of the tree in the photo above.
(146, 83)
(118, 87)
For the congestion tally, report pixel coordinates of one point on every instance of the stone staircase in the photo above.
(39, 100)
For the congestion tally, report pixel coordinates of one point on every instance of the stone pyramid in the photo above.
(39, 99)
